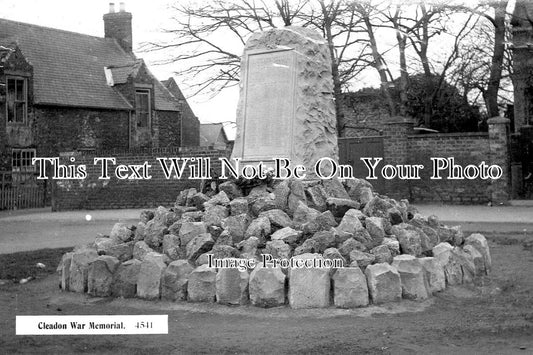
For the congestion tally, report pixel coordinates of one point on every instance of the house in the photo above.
(66, 91)
(214, 135)
(190, 130)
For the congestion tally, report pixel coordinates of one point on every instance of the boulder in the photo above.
(100, 275)
(231, 189)
(201, 286)
(413, 277)
(264, 203)
(171, 247)
(324, 240)
(309, 287)
(339, 206)
(443, 253)
(378, 207)
(278, 249)
(140, 249)
(296, 195)
(224, 239)
(149, 279)
(334, 188)
(350, 223)
(260, 228)
(122, 251)
(393, 245)
(232, 286)
(190, 230)
(287, 235)
(316, 197)
(477, 258)
(348, 245)
(308, 246)
(199, 245)
(376, 228)
(125, 279)
(350, 289)
(267, 287)
(146, 216)
(174, 280)
(278, 218)
(382, 254)
(334, 254)
(140, 232)
(303, 214)
(66, 260)
(409, 239)
(219, 199)
(248, 246)
(282, 191)
(479, 242)
(79, 268)
(121, 233)
(224, 251)
(154, 232)
(434, 274)
(384, 283)
(214, 214)
(466, 261)
(238, 206)
(104, 243)
(198, 200)
(363, 259)
(236, 226)
(359, 190)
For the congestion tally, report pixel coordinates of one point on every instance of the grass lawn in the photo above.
(17, 266)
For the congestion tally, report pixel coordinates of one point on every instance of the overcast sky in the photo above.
(149, 17)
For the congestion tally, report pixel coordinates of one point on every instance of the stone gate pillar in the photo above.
(396, 151)
(500, 155)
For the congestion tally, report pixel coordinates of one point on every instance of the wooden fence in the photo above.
(21, 190)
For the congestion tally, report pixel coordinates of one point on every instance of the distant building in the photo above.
(522, 30)
(65, 91)
(214, 135)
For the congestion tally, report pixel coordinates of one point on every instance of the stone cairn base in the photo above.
(387, 249)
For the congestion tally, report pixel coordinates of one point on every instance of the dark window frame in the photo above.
(21, 159)
(11, 118)
(141, 122)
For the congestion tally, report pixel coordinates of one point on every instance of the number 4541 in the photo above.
(144, 325)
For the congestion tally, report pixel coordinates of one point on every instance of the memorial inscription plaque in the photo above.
(269, 105)
(286, 108)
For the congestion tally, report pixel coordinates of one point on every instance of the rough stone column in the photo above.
(396, 151)
(286, 107)
(500, 155)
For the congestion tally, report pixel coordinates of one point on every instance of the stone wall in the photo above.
(92, 193)
(401, 146)
(466, 148)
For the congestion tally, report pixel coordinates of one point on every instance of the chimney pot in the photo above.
(122, 7)
(111, 7)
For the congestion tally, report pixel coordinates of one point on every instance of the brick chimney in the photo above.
(117, 25)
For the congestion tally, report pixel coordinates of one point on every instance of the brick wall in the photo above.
(169, 129)
(59, 129)
(466, 148)
(92, 193)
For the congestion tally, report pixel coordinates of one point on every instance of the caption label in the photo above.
(91, 325)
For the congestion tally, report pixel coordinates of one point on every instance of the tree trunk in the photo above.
(491, 94)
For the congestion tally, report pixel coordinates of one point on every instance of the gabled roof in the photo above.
(212, 134)
(69, 67)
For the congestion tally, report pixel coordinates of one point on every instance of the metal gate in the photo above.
(21, 190)
(351, 150)
(522, 163)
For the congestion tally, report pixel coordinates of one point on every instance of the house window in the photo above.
(17, 100)
(142, 108)
(21, 160)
